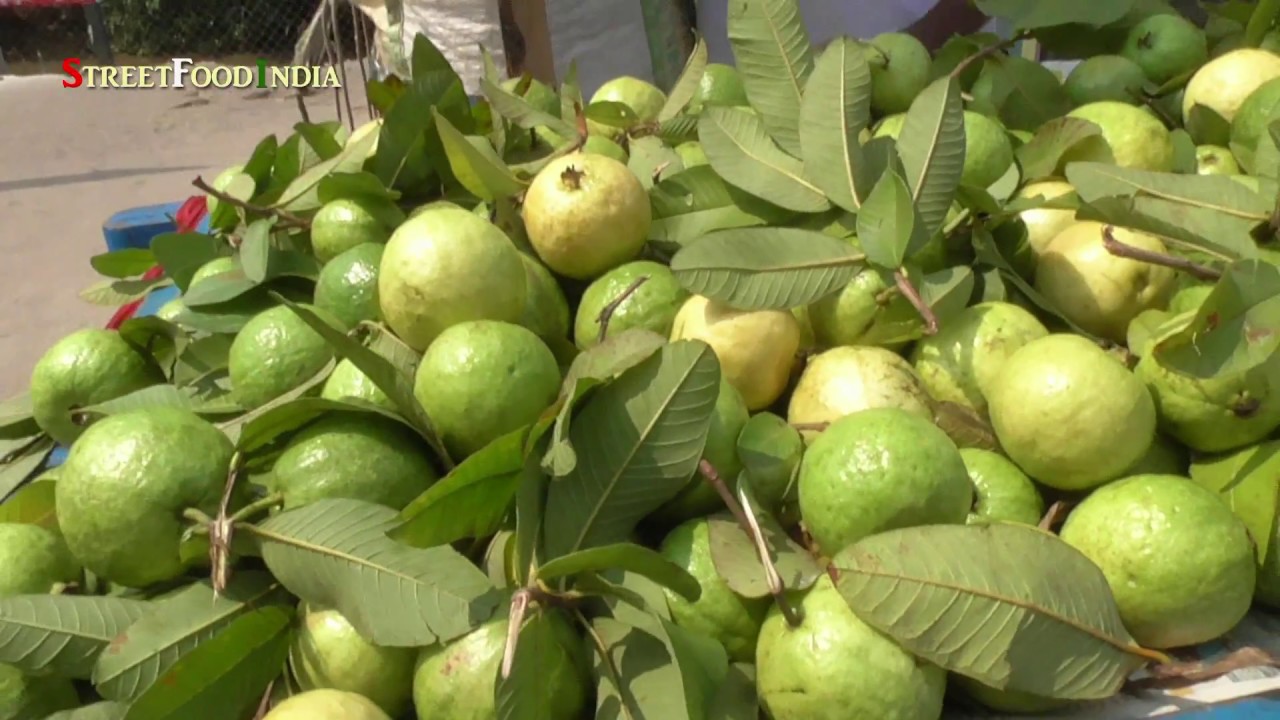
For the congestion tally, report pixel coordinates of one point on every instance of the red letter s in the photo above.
(70, 66)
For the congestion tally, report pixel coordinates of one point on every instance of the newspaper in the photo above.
(1258, 630)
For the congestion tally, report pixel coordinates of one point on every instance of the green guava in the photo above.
(756, 348)
(1165, 46)
(857, 314)
(1215, 160)
(720, 86)
(456, 680)
(1215, 414)
(348, 285)
(1180, 564)
(836, 667)
(899, 71)
(274, 353)
(340, 225)
(1258, 110)
(445, 266)
(639, 95)
(1132, 137)
(221, 182)
(877, 470)
(348, 382)
(546, 310)
(170, 311)
(214, 267)
(1044, 224)
(480, 380)
(1006, 701)
(1069, 414)
(33, 559)
(692, 154)
(125, 484)
(1002, 492)
(966, 355)
(1099, 291)
(1164, 457)
(327, 652)
(23, 697)
(988, 152)
(1105, 77)
(586, 214)
(718, 613)
(852, 378)
(353, 455)
(771, 451)
(1222, 85)
(650, 306)
(327, 704)
(721, 450)
(83, 369)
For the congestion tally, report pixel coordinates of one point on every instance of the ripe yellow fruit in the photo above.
(756, 348)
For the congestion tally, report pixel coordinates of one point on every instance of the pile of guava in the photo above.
(859, 382)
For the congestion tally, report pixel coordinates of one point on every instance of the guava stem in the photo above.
(257, 506)
(1201, 670)
(1054, 515)
(222, 529)
(912, 295)
(519, 607)
(988, 51)
(264, 705)
(606, 312)
(1263, 17)
(581, 117)
(288, 218)
(1119, 249)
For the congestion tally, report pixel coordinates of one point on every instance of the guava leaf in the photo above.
(19, 462)
(521, 113)
(626, 594)
(267, 427)
(255, 249)
(106, 710)
(835, 109)
(649, 670)
(220, 288)
(879, 155)
(233, 427)
(694, 202)
(651, 160)
(1212, 192)
(15, 418)
(225, 215)
(123, 263)
(965, 427)
(114, 293)
(1190, 228)
(531, 505)
(736, 698)
(687, 84)
(678, 129)
(336, 553)
(740, 151)
(302, 194)
(226, 675)
(476, 164)
(639, 440)
(262, 160)
(181, 254)
(1024, 93)
(1264, 160)
(1031, 15)
(366, 188)
(525, 694)
(1009, 605)
(1042, 154)
(932, 148)
(956, 50)
(571, 97)
(322, 137)
(1236, 328)
(174, 627)
(33, 504)
(947, 292)
(890, 227)
(766, 268)
(624, 556)
(62, 634)
(408, 128)
(736, 561)
(1247, 482)
(611, 113)
(1184, 152)
(1206, 123)
(162, 396)
(202, 358)
(771, 50)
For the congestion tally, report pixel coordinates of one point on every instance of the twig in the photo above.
(1054, 515)
(288, 218)
(606, 312)
(1182, 673)
(264, 705)
(21, 450)
(519, 607)
(910, 292)
(302, 106)
(222, 528)
(1119, 249)
(988, 51)
(752, 529)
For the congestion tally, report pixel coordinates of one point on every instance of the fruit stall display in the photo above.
(852, 383)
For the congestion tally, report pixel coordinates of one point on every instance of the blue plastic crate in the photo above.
(134, 228)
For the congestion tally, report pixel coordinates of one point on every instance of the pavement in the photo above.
(71, 158)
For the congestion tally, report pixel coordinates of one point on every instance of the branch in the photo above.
(606, 312)
(988, 51)
(1054, 515)
(288, 218)
(1119, 249)
(519, 607)
(912, 295)
(222, 528)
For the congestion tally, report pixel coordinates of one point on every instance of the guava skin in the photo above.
(1224, 83)
(214, 267)
(1180, 564)
(1164, 457)
(327, 652)
(1132, 137)
(457, 680)
(1105, 77)
(639, 95)
(348, 382)
(836, 667)
(221, 182)
(1002, 491)
(1215, 160)
(85, 368)
(1166, 46)
(721, 450)
(23, 697)
(773, 464)
(718, 613)
(124, 486)
(1044, 224)
(1070, 415)
(348, 285)
(845, 380)
(170, 311)
(275, 352)
(651, 306)
(856, 316)
(546, 311)
(1250, 122)
(1006, 701)
(32, 560)
(586, 214)
(878, 470)
(899, 71)
(1215, 414)
(327, 704)
(340, 225)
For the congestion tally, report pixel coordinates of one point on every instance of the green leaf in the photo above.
(1220, 193)
(653, 669)
(521, 113)
(686, 86)
(531, 504)
(645, 432)
(220, 288)
(322, 137)
(262, 160)
(174, 627)
(409, 124)
(336, 554)
(679, 129)
(525, 694)
(62, 634)
(651, 160)
(889, 227)
(1042, 154)
(224, 215)
(738, 564)
(30, 456)
(303, 192)
(1246, 480)
(1009, 605)
(225, 676)
(114, 293)
(106, 710)
(624, 556)
(766, 268)
(1179, 225)
(1184, 152)
(611, 114)
(965, 427)
(157, 396)
(125, 263)
(772, 52)
(267, 427)
(15, 418)
(255, 249)
(1031, 15)
(33, 504)
(476, 164)
(1024, 93)
(740, 151)
(836, 107)
(932, 147)
(736, 698)
(181, 254)
(694, 202)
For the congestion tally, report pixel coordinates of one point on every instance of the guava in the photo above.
(1165, 46)
(1189, 297)
(1258, 110)
(877, 470)
(214, 267)
(327, 704)
(899, 71)
(274, 353)
(1099, 291)
(1164, 457)
(327, 652)
(348, 382)
(639, 95)
(1132, 137)
(966, 355)
(445, 266)
(597, 145)
(756, 348)
(1222, 85)
(988, 152)
(480, 380)
(1180, 564)
(836, 667)
(546, 310)
(852, 378)
(718, 613)
(1214, 414)
(353, 455)
(83, 369)
(348, 285)
(1021, 137)
(1215, 160)
(1105, 77)
(1069, 414)
(24, 697)
(221, 182)
(586, 214)
(1002, 492)
(720, 86)
(125, 484)
(859, 314)
(1043, 224)
(170, 311)
(650, 306)
(692, 154)
(1006, 701)
(772, 451)
(340, 225)
(721, 450)
(33, 559)
(456, 680)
